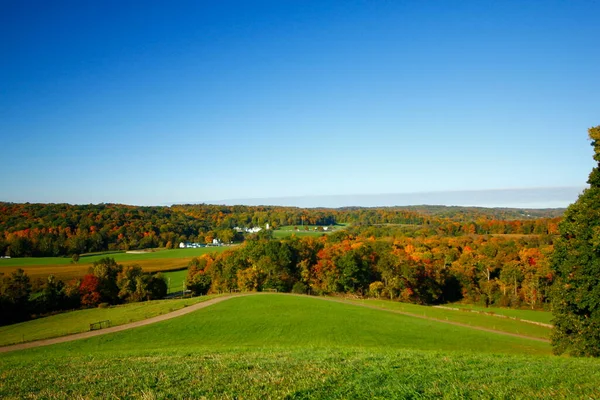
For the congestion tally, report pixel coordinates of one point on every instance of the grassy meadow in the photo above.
(544, 317)
(480, 320)
(79, 321)
(289, 230)
(282, 346)
(175, 280)
(63, 268)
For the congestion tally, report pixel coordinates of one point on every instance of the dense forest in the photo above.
(425, 255)
(489, 270)
(63, 229)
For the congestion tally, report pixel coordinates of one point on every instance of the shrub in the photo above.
(299, 288)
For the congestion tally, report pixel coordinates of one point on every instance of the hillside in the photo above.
(42, 230)
(297, 347)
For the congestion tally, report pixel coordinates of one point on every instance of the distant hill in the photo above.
(65, 229)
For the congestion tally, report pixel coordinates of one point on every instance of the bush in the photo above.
(299, 288)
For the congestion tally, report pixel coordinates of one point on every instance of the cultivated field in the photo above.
(305, 230)
(282, 346)
(63, 268)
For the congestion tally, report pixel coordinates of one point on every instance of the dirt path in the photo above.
(119, 328)
(198, 306)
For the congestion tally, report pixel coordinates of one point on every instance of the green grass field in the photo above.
(468, 318)
(119, 257)
(62, 268)
(79, 321)
(289, 230)
(282, 346)
(544, 317)
(175, 280)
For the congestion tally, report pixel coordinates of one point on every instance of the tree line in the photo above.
(107, 283)
(484, 270)
(38, 230)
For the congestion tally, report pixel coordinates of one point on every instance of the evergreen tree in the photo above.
(576, 265)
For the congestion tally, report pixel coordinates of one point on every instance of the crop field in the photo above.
(282, 346)
(62, 268)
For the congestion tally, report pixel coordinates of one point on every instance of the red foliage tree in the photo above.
(90, 291)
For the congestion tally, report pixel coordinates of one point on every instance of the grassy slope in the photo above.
(530, 315)
(276, 346)
(79, 321)
(468, 318)
(175, 280)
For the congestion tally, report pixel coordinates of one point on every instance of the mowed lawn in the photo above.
(283, 346)
(62, 268)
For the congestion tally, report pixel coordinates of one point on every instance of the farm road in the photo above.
(198, 306)
(119, 328)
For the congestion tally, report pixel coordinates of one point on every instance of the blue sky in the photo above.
(158, 102)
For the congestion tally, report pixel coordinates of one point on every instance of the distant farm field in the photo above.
(62, 268)
(175, 280)
(282, 346)
(305, 230)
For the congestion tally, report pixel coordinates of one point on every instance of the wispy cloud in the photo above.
(555, 197)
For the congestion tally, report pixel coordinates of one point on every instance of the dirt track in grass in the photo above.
(119, 328)
(198, 306)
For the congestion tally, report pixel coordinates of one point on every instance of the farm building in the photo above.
(189, 245)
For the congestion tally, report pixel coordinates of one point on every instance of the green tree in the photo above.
(576, 265)
(14, 297)
(52, 295)
(198, 280)
(106, 270)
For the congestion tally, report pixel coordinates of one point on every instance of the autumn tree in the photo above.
(51, 297)
(106, 270)
(89, 289)
(14, 296)
(132, 284)
(198, 279)
(576, 264)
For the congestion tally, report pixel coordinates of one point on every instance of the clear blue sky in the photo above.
(158, 102)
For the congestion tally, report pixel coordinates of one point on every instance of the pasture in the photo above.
(305, 230)
(282, 346)
(63, 268)
(175, 280)
(480, 320)
(78, 321)
(544, 317)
